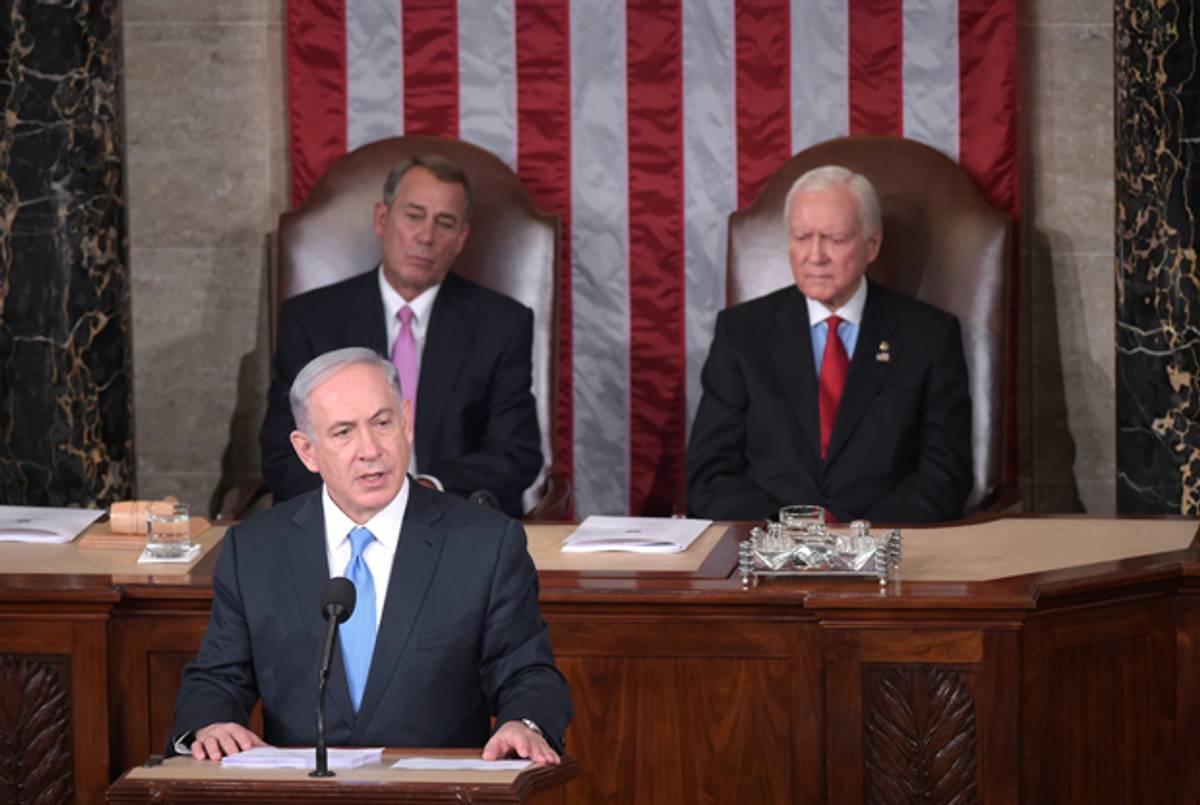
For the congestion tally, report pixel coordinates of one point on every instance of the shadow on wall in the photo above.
(1052, 446)
(241, 460)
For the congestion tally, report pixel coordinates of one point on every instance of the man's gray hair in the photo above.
(323, 367)
(829, 176)
(442, 167)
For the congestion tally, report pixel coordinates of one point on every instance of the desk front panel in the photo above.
(1079, 681)
(54, 714)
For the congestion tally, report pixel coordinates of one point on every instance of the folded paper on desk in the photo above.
(459, 764)
(270, 757)
(43, 523)
(634, 534)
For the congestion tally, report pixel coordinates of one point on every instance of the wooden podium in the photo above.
(183, 780)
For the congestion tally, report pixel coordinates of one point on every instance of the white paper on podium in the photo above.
(634, 534)
(44, 523)
(459, 764)
(270, 757)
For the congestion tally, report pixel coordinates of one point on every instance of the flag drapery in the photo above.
(643, 124)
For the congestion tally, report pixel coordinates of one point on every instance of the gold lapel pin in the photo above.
(884, 354)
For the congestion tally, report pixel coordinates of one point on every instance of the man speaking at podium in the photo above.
(446, 630)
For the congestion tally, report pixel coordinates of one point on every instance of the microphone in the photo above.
(337, 605)
(485, 498)
(338, 599)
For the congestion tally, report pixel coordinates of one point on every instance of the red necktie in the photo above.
(834, 367)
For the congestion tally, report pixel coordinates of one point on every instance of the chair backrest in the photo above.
(512, 248)
(942, 243)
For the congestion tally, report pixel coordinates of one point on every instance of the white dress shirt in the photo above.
(851, 314)
(422, 306)
(378, 555)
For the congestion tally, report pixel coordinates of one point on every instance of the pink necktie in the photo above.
(404, 357)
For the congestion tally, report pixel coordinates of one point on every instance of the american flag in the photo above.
(643, 124)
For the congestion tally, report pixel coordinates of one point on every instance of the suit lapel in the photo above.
(867, 374)
(417, 553)
(790, 345)
(446, 343)
(365, 323)
(310, 573)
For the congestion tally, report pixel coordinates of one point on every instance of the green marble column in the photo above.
(1158, 280)
(65, 405)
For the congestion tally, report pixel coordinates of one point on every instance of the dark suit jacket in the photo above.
(901, 444)
(461, 636)
(476, 422)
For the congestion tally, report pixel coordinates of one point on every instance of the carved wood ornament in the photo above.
(919, 735)
(35, 731)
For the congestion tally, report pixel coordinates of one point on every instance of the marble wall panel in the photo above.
(187, 416)
(1071, 197)
(65, 408)
(1158, 293)
(207, 177)
(197, 133)
(208, 12)
(1066, 287)
(1054, 459)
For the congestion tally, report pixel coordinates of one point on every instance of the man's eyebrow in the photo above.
(387, 409)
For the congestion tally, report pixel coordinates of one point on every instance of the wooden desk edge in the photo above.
(528, 782)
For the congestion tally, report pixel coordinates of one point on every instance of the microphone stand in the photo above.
(322, 769)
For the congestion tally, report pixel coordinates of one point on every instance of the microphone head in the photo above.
(338, 599)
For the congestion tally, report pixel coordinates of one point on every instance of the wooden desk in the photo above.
(185, 780)
(1072, 675)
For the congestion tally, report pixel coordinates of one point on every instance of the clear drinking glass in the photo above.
(802, 519)
(168, 533)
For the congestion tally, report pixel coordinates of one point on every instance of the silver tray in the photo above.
(777, 551)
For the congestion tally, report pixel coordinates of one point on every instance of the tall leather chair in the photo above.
(513, 248)
(942, 243)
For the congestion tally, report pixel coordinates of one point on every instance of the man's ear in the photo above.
(462, 238)
(873, 244)
(305, 449)
(377, 218)
(406, 407)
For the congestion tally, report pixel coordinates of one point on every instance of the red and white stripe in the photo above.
(644, 124)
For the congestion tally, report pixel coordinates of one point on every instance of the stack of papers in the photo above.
(43, 523)
(270, 757)
(459, 764)
(635, 534)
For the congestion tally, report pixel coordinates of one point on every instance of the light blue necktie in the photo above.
(358, 633)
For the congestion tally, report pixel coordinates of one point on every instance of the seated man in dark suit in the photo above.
(462, 351)
(446, 631)
(872, 421)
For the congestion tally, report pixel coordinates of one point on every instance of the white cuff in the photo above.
(183, 744)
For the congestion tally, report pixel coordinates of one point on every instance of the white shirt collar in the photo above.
(385, 525)
(421, 306)
(852, 311)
